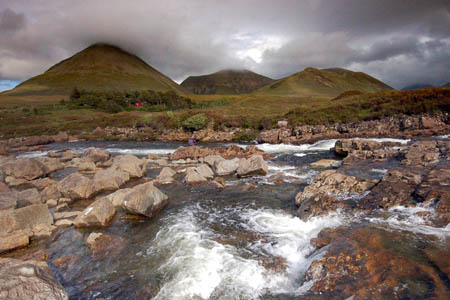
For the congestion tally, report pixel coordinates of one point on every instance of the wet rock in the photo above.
(232, 151)
(166, 176)
(8, 200)
(25, 168)
(193, 176)
(76, 186)
(226, 167)
(109, 180)
(326, 163)
(99, 213)
(424, 153)
(24, 218)
(252, 166)
(13, 241)
(117, 197)
(329, 191)
(144, 199)
(105, 245)
(95, 155)
(29, 197)
(28, 280)
(344, 147)
(130, 164)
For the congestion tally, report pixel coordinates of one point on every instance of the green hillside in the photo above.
(226, 82)
(98, 67)
(323, 82)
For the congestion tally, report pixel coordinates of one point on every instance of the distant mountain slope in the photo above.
(417, 86)
(446, 85)
(98, 67)
(226, 82)
(323, 82)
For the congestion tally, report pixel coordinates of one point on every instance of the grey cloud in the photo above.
(11, 21)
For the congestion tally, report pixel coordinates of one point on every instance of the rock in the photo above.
(130, 164)
(65, 200)
(30, 279)
(99, 213)
(25, 168)
(50, 192)
(95, 155)
(160, 162)
(211, 160)
(24, 218)
(13, 241)
(51, 203)
(105, 245)
(226, 167)
(68, 155)
(76, 186)
(255, 165)
(42, 183)
(12, 181)
(66, 215)
(326, 163)
(3, 187)
(205, 171)
(43, 231)
(233, 151)
(52, 164)
(64, 223)
(144, 199)
(109, 180)
(344, 147)
(193, 176)
(8, 200)
(166, 175)
(117, 197)
(29, 197)
(85, 166)
(282, 123)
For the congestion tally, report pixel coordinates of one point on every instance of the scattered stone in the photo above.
(76, 186)
(144, 199)
(52, 164)
(13, 241)
(212, 160)
(28, 280)
(68, 155)
(42, 183)
(65, 200)
(99, 213)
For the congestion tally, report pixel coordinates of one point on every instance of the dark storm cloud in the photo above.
(400, 42)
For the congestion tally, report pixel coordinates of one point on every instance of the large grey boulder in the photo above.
(211, 160)
(24, 218)
(166, 176)
(193, 176)
(25, 168)
(99, 213)
(76, 186)
(144, 199)
(109, 180)
(29, 279)
(205, 171)
(226, 167)
(255, 165)
(130, 164)
(96, 155)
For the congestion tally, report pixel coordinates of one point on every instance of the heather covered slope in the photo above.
(323, 82)
(98, 67)
(226, 82)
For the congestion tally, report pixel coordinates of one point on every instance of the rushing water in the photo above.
(240, 242)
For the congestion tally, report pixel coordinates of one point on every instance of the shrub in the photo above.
(196, 122)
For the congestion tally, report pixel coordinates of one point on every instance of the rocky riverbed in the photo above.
(358, 219)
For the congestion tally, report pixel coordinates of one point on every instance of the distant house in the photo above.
(137, 104)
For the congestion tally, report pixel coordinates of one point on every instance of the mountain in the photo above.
(417, 86)
(98, 67)
(226, 82)
(447, 85)
(323, 82)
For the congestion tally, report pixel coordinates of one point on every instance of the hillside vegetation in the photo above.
(323, 82)
(99, 66)
(226, 82)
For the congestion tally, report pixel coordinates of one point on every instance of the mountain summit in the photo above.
(98, 67)
(323, 82)
(226, 82)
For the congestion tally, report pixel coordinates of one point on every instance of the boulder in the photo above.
(68, 155)
(344, 147)
(85, 166)
(30, 279)
(76, 186)
(166, 175)
(212, 160)
(42, 183)
(130, 164)
(50, 192)
(205, 171)
(226, 167)
(193, 176)
(66, 215)
(3, 187)
(95, 155)
(144, 199)
(326, 163)
(24, 218)
(117, 197)
(109, 180)
(8, 200)
(99, 213)
(252, 166)
(52, 164)
(29, 197)
(105, 245)
(13, 241)
(42, 231)
(25, 168)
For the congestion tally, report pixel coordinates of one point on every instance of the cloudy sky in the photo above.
(401, 42)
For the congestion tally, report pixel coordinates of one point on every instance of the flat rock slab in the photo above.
(99, 213)
(13, 241)
(326, 163)
(24, 218)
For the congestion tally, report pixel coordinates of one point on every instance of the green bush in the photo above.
(196, 122)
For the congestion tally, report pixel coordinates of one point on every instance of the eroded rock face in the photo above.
(76, 186)
(255, 165)
(329, 191)
(130, 164)
(144, 199)
(96, 155)
(25, 168)
(99, 213)
(30, 279)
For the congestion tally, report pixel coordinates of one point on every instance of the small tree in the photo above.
(196, 122)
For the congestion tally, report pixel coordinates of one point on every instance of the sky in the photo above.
(400, 42)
